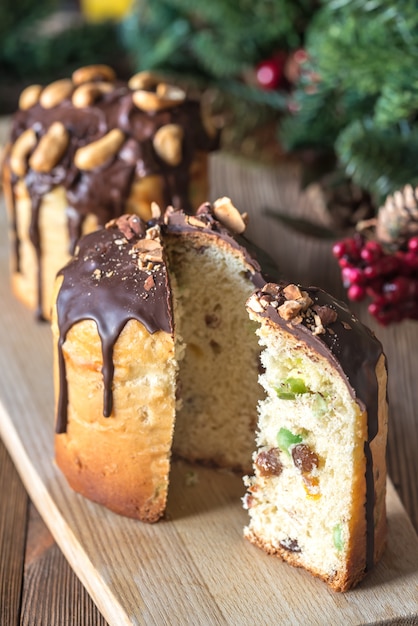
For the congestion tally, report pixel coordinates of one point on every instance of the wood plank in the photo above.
(52, 594)
(13, 518)
(194, 566)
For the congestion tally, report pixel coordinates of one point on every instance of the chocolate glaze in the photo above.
(103, 191)
(354, 351)
(120, 294)
(105, 283)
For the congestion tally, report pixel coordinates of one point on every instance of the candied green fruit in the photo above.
(319, 405)
(337, 536)
(285, 439)
(289, 388)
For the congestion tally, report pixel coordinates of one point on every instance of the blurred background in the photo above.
(331, 78)
(332, 83)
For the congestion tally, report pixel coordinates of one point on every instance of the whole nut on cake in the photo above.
(144, 80)
(98, 152)
(229, 215)
(168, 143)
(93, 72)
(50, 149)
(87, 93)
(163, 98)
(55, 93)
(29, 97)
(20, 151)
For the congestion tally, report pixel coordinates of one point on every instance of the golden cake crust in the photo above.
(120, 461)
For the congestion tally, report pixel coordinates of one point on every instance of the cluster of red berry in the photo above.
(390, 280)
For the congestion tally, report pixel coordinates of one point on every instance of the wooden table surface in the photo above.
(37, 586)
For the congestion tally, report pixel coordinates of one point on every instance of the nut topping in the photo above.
(325, 314)
(50, 149)
(20, 151)
(165, 97)
(86, 94)
(155, 211)
(167, 143)
(195, 221)
(93, 72)
(292, 292)
(290, 309)
(254, 304)
(146, 245)
(29, 97)
(144, 80)
(130, 225)
(228, 215)
(55, 93)
(295, 306)
(98, 152)
(149, 283)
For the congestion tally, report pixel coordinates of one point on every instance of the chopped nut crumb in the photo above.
(149, 283)
(292, 292)
(194, 221)
(326, 314)
(289, 309)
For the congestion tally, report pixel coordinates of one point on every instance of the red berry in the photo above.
(388, 264)
(269, 73)
(371, 252)
(397, 289)
(413, 244)
(409, 260)
(356, 292)
(339, 249)
(371, 272)
(353, 246)
(352, 275)
(345, 262)
(374, 287)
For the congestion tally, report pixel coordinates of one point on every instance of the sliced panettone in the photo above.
(317, 494)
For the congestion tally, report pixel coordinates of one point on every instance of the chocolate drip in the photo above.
(104, 191)
(35, 238)
(106, 283)
(16, 240)
(354, 350)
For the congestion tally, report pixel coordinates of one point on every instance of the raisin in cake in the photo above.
(317, 494)
(153, 338)
(89, 148)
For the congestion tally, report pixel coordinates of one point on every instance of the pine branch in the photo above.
(381, 161)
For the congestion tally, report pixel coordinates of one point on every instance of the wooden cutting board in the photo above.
(194, 567)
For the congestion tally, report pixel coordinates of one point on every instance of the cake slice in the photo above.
(317, 494)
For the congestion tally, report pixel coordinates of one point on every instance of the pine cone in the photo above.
(346, 202)
(397, 219)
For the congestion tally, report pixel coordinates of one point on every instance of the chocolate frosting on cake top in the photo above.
(95, 136)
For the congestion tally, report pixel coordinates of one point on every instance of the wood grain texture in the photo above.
(13, 509)
(192, 567)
